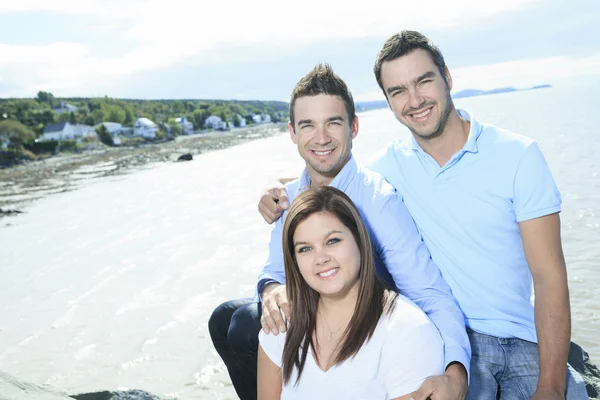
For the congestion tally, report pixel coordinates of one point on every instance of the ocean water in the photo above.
(111, 286)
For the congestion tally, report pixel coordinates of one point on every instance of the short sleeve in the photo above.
(272, 346)
(535, 192)
(412, 351)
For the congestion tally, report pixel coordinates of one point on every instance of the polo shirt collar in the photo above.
(471, 143)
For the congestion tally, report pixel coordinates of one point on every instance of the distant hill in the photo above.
(479, 92)
(369, 105)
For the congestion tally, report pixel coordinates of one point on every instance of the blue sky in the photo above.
(259, 49)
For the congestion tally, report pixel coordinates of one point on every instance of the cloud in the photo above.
(517, 73)
(163, 33)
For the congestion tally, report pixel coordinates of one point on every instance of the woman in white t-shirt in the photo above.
(348, 337)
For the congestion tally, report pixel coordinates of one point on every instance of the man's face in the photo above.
(323, 133)
(417, 93)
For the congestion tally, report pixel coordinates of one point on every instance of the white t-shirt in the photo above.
(404, 350)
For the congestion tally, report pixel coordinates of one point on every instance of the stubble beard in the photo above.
(442, 122)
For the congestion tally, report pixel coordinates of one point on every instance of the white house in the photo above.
(266, 118)
(64, 108)
(257, 119)
(57, 131)
(66, 131)
(213, 122)
(145, 128)
(114, 128)
(187, 128)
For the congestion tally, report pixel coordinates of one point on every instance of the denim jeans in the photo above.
(234, 328)
(508, 369)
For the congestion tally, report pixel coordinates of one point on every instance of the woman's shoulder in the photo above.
(272, 345)
(405, 316)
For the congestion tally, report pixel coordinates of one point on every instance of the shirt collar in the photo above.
(474, 132)
(341, 181)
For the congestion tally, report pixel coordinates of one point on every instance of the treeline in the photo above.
(38, 112)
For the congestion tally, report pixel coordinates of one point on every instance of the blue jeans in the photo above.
(508, 369)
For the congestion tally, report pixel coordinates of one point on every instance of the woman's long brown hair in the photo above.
(373, 297)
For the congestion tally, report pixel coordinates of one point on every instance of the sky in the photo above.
(258, 50)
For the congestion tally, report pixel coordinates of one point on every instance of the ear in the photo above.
(292, 133)
(354, 127)
(448, 77)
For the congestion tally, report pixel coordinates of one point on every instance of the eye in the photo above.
(397, 92)
(305, 126)
(424, 81)
(334, 240)
(303, 249)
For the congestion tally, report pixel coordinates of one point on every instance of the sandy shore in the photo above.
(22, 184)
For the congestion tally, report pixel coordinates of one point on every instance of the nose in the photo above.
(322, 258)
(322, 136)
(415, 99)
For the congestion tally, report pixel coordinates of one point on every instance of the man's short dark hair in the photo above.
(404, 43)
(322, 80)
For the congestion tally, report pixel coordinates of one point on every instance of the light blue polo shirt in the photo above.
(468, 213)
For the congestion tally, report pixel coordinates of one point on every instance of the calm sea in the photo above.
(110, 286)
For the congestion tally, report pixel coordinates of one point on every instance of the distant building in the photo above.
(257, 119)
(66, 131)
(266, 119)
(242, 120)
(145, 128)
(64, 108)
(114, 128)
(215, 122)
(187, 128)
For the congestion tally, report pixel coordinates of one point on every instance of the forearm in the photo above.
(553, 326)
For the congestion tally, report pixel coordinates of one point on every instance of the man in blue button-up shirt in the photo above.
(323, 124)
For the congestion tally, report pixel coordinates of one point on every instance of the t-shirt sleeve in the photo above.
(272, 346)
(536, 194)
(412, 351)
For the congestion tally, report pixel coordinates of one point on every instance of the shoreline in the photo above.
(22, 184)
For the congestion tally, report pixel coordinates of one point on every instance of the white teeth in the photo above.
(421, 115)
(328, 273)
(322, 153)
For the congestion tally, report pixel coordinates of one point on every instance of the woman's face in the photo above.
(327, 255)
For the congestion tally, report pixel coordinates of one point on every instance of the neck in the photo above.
(338, 309)
(451, 140)
(319, 179)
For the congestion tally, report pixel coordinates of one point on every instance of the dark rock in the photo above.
(122, 395)
(185, 157)
(10, 212)
(580, 361)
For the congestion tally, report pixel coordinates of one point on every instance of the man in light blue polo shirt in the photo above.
(323, 124)
(487, 207)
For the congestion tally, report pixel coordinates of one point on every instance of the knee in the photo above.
(218, 323)
(243, 330)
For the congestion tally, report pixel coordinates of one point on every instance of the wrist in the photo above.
(268, 288)
(456, 370)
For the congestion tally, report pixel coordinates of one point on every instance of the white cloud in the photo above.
(164, 33)
(518, 73)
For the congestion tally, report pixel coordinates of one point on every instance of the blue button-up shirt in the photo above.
(401, 257)
(468, 212)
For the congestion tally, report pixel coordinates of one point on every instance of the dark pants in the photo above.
(234, 328)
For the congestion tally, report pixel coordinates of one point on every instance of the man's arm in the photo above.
(417, 277)
(543, 250)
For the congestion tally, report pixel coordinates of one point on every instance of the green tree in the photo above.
(104, 136)
(72, 118)
(17, 133)
(175, 128)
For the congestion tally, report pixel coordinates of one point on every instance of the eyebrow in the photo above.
(331, 232)
(331, 119)
(428, 74)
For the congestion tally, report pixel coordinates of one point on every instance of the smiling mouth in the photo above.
(421, 115)
(322, 153)
(328, 273)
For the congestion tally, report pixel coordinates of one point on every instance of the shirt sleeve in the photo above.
(417, 277)
(274, 269)
(272, 346)
(412, 352)
(535, 192)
